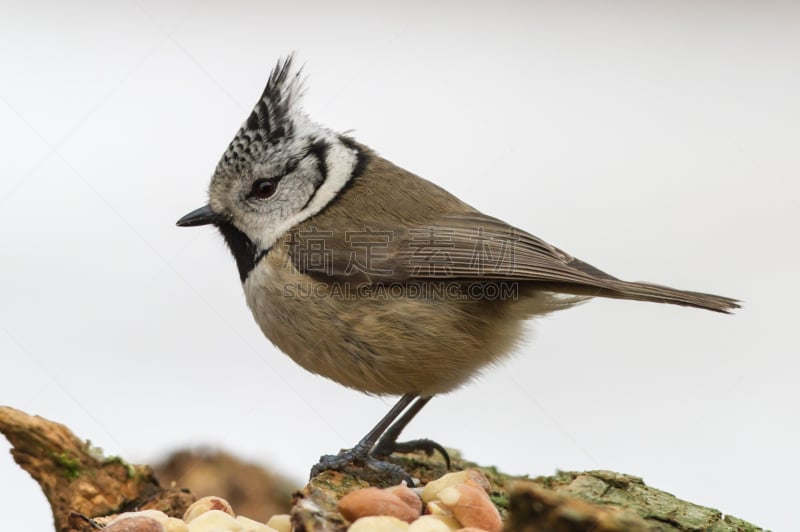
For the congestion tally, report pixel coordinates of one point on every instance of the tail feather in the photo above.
(663, 294)
(602, 284)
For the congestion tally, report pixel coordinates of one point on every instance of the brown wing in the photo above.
(466, 245)
(471, 246)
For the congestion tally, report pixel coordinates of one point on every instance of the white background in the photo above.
(656, 140)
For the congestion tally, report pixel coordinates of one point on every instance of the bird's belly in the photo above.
(381, 343)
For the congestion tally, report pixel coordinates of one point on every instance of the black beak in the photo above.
(202, 216)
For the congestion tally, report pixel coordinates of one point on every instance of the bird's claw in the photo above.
(384, 448)
(393, 473)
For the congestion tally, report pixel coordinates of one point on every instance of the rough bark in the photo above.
(596, 501)
(77, 480)
(81, 485)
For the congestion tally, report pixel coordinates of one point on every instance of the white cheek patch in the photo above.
(340, 161)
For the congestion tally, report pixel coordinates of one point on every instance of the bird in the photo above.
(378, 279)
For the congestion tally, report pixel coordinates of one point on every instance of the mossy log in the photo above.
(82, 485)
(78, 481)
(597, 501)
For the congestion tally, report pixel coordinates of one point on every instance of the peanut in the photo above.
(372, 502)
(472, 507)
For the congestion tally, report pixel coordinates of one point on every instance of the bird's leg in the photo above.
(388, 443)
(360, 454)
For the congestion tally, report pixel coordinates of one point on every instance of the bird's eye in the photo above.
(263, 188)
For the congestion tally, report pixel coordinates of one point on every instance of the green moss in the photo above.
(740, 525)
(129, 469)
(71, 466)
(500, 500)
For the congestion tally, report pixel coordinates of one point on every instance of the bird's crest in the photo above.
(273, 119)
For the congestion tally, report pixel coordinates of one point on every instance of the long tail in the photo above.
(618, 289)
(665, 294)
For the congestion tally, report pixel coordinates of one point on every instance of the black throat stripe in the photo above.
(242, 248)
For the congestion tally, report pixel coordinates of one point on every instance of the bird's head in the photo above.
(280, 169)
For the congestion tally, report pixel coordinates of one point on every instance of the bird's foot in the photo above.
(384, 448)
(358, 462)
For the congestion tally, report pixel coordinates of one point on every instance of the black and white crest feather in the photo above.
(273, 118)
(308, 166)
